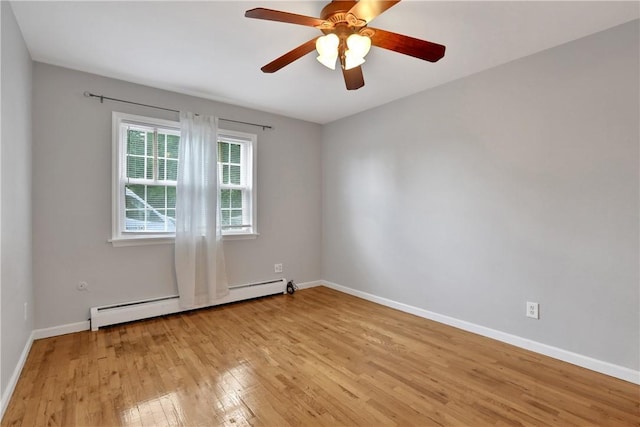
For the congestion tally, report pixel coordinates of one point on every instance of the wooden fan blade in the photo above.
(369, 9)
(291, 18)
(353, 78)
(417, 48)
(290, 56)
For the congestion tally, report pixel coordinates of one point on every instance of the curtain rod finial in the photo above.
(87, 94)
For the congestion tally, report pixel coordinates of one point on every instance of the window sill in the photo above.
(141, 240)
(164, 240)
(246, 236)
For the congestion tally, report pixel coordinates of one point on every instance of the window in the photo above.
(145, 159)
(237, 195)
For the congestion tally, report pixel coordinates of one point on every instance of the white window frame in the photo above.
(119, 237)
(248, 181)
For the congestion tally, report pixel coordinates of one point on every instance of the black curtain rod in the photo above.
(102, 99)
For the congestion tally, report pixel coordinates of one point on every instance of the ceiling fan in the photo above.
(347, 37)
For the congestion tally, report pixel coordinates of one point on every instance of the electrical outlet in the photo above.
(533, 310)
(83, 286)
(277, 268)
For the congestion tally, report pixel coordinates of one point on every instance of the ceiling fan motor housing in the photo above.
(336, 14)
(335, 8)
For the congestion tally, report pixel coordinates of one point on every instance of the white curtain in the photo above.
(199, 256)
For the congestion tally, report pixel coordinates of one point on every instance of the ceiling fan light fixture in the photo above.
(358, 45)
(327, 47)
(352, 60)
(358, 48)
(328, 61)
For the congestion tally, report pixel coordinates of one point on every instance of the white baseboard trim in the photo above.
(596, 365)
(54, 331)
(13, 381)
(86, 325)
(70, 328)
(36, 334)
(307, 285)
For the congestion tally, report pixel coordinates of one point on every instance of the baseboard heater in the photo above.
(137, 310)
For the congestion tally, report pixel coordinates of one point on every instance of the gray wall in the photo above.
(72, 198)
(16, 276)
(516, 184)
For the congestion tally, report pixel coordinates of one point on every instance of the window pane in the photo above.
(156, 196)
(235, 174)
(234, 155)
(134, 197)
(225, 199)
(236, 217)
(225, 217)
(225, 174)
(149, 166)
(171, 214)
(134, 220)
(172, 170)
(171, 198)
(161, 168)
(156, 217)
(236, 199)
(135, 167)
(223, 153)
(172, 146)
(149, 144)
(161, 146)
(135, 142)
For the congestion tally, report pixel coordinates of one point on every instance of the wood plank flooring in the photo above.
(316, 358)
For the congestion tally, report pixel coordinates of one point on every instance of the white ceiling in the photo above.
(209, 49)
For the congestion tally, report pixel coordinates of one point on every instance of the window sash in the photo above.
(228, 211)
(155, 156)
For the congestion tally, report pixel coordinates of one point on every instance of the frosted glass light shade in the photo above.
(328, 61)
(351, 60)
(327, 47)
(358, 45)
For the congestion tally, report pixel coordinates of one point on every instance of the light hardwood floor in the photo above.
(318, 357)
